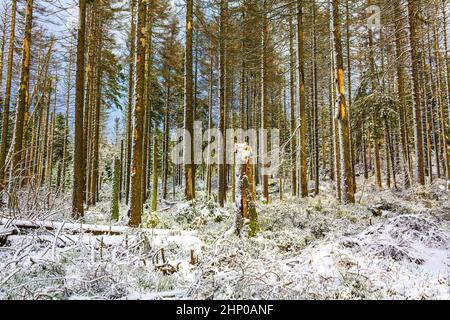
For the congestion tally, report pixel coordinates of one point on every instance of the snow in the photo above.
(307, 249)
(421, 271)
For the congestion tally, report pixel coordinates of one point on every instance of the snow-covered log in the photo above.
(185, 242)
(90, 228)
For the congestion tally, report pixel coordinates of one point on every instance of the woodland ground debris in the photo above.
(311, 249)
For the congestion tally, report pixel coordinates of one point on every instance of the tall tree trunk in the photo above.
(349, 92)
(315, 107)
(148, 103)
(136, 168)
(413, 12)
(2, 55)
(447, 58)
(347, 179)
(116, 190)
(155, 174)
(301, 100)
(376, 138)
(188, 142)
(264, 101)
(442, 118)
(399, 52)
(6, 105)
(222, 102)
(78, 158)
(210, 123)
(165, 165)
(98, 106)
(66, 124)
(22, 108)
(129, 138)
(292, 108)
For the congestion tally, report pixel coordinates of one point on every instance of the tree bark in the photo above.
(301, 100)
(78, 159)
(347, 179)
(6, 105)
(129, 138)
(413, 11)
(136, 168)
(22, 108)
(292, 109)
(188, 147)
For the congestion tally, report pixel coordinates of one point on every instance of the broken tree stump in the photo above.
(245, 199)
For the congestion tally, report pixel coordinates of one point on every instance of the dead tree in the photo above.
(245, 200)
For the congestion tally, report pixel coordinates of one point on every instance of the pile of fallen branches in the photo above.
(57, 260)
(402, 257)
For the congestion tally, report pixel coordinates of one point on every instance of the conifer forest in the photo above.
(224, 149)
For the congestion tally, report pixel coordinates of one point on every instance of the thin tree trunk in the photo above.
(129, 138)
(165, 168)
(315, 107)
(66, 124)
(399, 50)
(301, 100)
(2, 55)
(22, 108)
(6, 105)
(222, 102)
(188, 145)
(264, 102)
(155, 175)
(413, 11)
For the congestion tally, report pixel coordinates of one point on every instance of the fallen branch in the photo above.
(91, 228)
(188, 243)
(169, 203)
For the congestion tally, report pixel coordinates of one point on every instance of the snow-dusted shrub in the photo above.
(158, 220)
(197, 213)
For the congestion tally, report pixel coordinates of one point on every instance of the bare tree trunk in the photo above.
(6, 105)
(264, 101)
(210, 124)
(222, 83)
(188, 147)
(376, 138)
(399, 50)
(78, 164)
(66, 125)
(155, 175)
(165, 168)
(347, 179)
(116, 190)
(315, 107)
(442, 119)
(2, 54)
(349, 93)
(417, 115)
(22, 108)
(129, 138)
(301, 100)
(148, 104)
(97, 116)
(136, 168)
(447, 58)
(292, 109)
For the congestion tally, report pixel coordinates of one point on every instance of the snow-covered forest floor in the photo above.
(390, 245)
